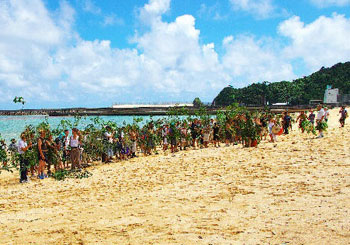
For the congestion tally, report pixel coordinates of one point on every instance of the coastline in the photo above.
(295, 191)
(137, 111)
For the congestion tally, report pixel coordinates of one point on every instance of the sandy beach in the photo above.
(295, 191)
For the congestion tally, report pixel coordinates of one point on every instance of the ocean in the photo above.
(12, 126)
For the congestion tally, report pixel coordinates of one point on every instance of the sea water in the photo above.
(12, 126)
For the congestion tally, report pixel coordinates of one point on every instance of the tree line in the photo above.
(297, 92)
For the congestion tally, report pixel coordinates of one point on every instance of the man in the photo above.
(216, 138)
(108, 137)
(286, 122)
(43, 148)
(22, 148)
(3, 152)
(13, 148)
(326, 114)
(312, 117)
(343, 115)
(319, 120)
(165, 132)
(65, 148)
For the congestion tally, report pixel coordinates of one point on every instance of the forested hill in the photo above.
(299, 91)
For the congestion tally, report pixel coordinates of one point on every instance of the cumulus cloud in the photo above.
(323, 42)
(328, 3)
(153, 10)
(40, 54)
(260, 8)
(28, 38)
(252, 60)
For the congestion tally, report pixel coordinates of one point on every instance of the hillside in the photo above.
(299, 91)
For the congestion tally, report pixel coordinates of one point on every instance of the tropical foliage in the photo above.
(299, 91)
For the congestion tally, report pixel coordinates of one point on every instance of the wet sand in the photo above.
(295, 191)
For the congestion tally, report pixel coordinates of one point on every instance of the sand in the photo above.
(295, 191)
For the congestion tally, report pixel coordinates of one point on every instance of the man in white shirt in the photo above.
(22, 148)
(320, 116)
(109, 140)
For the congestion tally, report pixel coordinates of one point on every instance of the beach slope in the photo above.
(295, 191)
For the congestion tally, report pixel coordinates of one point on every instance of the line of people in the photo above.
(38, 154)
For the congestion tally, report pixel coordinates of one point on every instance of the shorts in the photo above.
(45, 153)
(216, 137)
(173, 141)
(194, 135)
(134, 147)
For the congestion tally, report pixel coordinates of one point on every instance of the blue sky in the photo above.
(96, 52)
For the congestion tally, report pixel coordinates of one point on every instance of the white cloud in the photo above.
(259, 8)
(254, 61)
(323, 42)
(211, 12)
(112, 19)
(152, 11)
(90, 6)
(328, 3)
(28, 38)
(40, 54)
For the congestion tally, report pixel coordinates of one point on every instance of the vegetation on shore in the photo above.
(235, 123)
(297, 92)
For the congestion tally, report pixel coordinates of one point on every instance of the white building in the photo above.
(331, 96)
(125, 106)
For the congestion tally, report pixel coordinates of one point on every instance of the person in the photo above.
(319, 120)
(343, 115)
(52, 157)
(326, 114)
(194, 133)
(4, 149)
(272, 123)
(65, 148)
(109, 143)
(133, 138)
(43, 147)
(312, 117)
(264, 130)
(172, 137)
(21, 149)
(286, 122)
(165, 132)
(58, 155)
(228, 134)
(13, 148)
(75, 152)
(206, 137)
(183, 133)
(216, 137)
(301, 118)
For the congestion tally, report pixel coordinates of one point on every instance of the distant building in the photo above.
(124, 106)
(335, 96)
(331, 96)
(280, 104)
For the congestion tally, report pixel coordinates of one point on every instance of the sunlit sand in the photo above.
(295, 191)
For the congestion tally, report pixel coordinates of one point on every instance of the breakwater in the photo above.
(149, 111)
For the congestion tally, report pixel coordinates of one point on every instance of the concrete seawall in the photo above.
(155, 111)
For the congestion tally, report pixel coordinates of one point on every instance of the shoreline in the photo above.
(141, 111)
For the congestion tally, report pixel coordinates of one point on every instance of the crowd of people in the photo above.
(38, 152)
